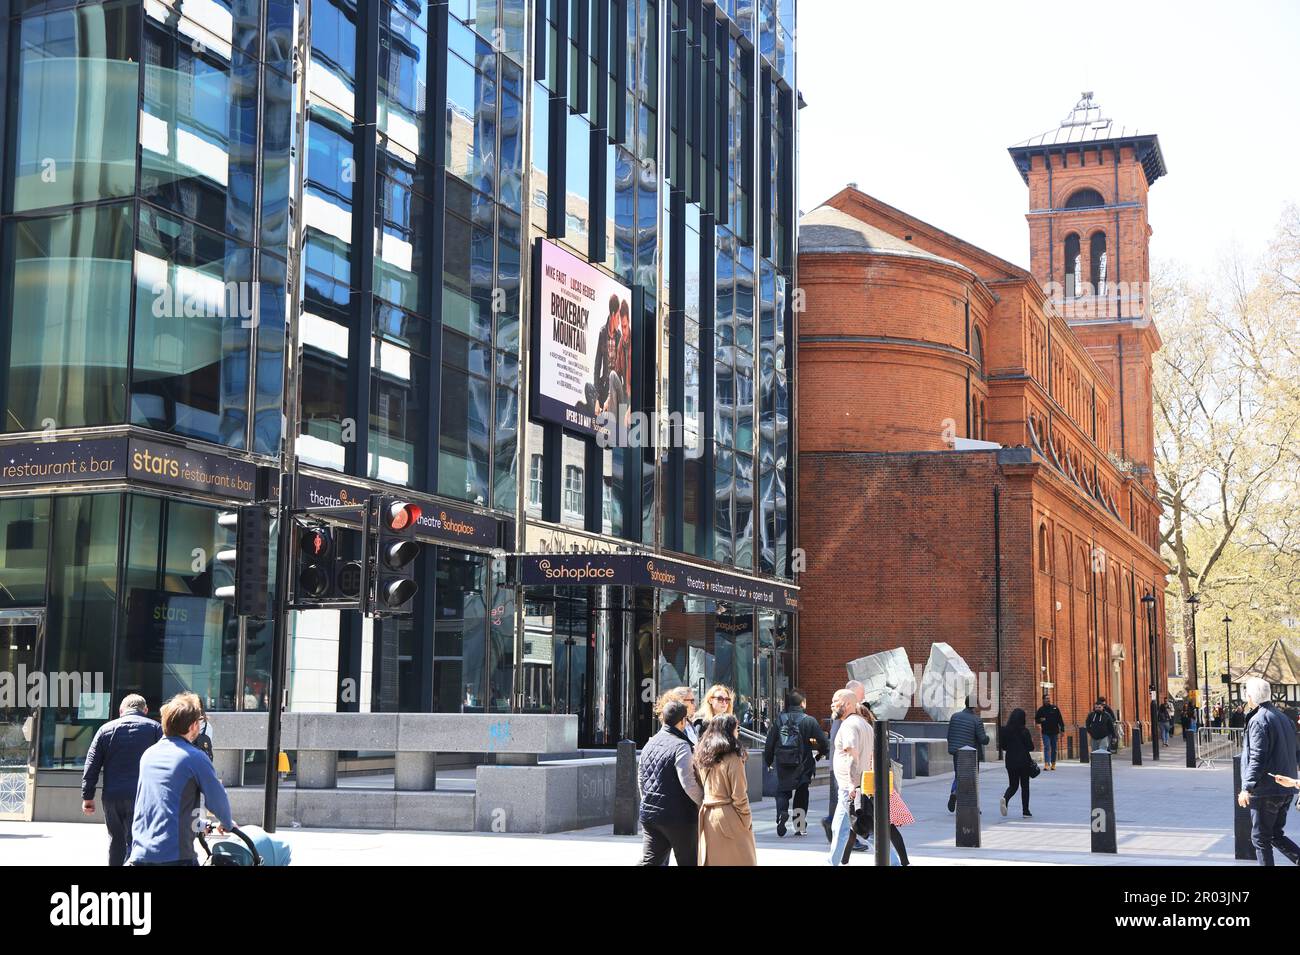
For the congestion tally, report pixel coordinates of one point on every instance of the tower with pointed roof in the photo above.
(1089, 236)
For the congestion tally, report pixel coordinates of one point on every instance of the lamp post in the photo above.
(1192, 602)
(1227, 657)
(1153, 670)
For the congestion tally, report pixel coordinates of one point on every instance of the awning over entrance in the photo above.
(641, 570)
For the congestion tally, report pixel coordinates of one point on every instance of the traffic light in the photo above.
(247, 565)
(313, 564)
(392, 550)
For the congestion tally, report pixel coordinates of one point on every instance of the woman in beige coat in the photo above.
(726, 829)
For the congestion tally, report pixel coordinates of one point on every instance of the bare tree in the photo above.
(1227, 409)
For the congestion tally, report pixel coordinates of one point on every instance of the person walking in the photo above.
(1100, 725)
(1051, 724)
(670, 792)
(852, 750)
(964, 729)
(859, 692)
(1017, 747)
(115, 752)
(794, 744)
(1166, 723)
(1268, 755)
(178, 788)
(726, 826)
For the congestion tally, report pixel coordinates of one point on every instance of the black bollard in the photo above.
(1069, 746)
(1084, 746)
(1155, 741)
(1243, 847)
(965, 763)
(1190, 739)
(626, 794)
(880, 798)
(1103, 804)
(1137, 744)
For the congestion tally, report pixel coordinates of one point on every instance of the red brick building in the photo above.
(976, 439)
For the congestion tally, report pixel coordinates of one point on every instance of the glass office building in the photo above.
(239, 237)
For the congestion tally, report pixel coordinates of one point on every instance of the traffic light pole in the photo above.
(279, 651)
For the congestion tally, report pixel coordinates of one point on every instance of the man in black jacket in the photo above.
(115, 751)
(789, 748)
(1100, 725)
(1268, 763)
(670, 793)
(1052, 724)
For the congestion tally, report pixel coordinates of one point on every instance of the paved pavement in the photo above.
(1167, 815)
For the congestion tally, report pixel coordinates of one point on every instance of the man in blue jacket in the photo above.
(115, 751)
(178, 788)
(1268, 753)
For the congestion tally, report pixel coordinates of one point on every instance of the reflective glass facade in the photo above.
(300, 232)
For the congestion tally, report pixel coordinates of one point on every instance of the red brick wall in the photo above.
(900, 552)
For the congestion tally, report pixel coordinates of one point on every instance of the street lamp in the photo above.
(1227, 655)
(1153, 670)
(1192, 602)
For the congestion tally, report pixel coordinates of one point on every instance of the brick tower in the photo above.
(1089, 247)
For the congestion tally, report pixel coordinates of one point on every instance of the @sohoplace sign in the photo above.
(625, 570)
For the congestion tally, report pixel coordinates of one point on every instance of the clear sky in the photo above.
(917, 101)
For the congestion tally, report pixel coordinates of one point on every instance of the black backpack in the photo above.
(789, 746)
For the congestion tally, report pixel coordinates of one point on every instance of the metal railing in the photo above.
(1216, 744)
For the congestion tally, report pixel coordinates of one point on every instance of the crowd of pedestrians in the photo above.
(694, 790)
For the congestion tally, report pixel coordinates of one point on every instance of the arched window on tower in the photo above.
(1044, 548)
(1097, 260)
(977, 350)
(984, 422)
(1084, 199)
(1072, 265)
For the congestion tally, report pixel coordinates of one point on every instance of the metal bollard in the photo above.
(965, 763)
(1069, 746)
(1243, 847)
(1084, 745)
(1137, 744)
(1103, 803)
(626, 794)
(1190, 739)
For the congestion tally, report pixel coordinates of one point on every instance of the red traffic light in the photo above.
(399, 515)
(315, 543)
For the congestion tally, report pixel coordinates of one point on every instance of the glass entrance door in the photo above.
(21, 633)
(555, 664)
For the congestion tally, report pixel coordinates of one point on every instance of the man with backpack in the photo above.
(1100, 725)
(789, 748)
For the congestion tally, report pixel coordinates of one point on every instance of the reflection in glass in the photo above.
(69, 277)
(194, 314)
(76, 102)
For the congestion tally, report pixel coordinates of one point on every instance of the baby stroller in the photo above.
(248, 846)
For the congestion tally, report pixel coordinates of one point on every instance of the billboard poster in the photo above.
(582, 342)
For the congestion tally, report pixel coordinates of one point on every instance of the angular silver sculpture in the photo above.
(889, 680)
(945, 683)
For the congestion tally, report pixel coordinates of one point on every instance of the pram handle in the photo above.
(257, 856)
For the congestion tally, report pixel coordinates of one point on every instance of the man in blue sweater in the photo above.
(115, 751)
(178, 787)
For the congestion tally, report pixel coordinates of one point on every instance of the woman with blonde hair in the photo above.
(726, 828)
(719, 700)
